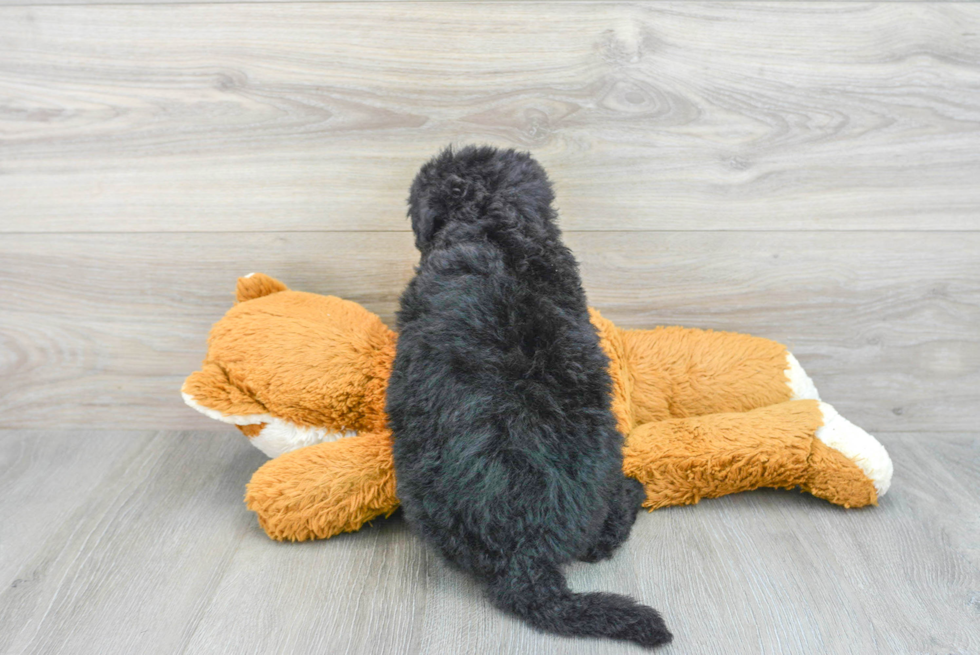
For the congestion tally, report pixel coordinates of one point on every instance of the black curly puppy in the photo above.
(506, 452)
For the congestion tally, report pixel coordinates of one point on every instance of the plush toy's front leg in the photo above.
(682, 460)
(322, 490)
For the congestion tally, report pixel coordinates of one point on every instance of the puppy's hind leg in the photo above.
(624, 505)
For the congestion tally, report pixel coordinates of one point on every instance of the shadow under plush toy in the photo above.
(704, 413)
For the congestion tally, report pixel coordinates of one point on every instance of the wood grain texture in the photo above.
(162, 557)
(58, 472)
(101, 329)
(128, 565)
(683, 116)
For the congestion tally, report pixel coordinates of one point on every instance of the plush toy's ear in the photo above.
(256, 285)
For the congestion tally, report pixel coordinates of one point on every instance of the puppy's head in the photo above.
(477, 190)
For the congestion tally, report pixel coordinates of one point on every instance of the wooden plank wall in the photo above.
(808, 172)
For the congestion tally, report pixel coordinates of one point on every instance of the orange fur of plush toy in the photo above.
(703, 413)
(317, 492)
(315, 361)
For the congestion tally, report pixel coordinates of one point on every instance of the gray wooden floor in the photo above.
(138, 542)
(807, 172)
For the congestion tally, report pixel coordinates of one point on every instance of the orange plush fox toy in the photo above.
(703, 413)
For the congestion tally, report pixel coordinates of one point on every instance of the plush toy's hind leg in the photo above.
(680, 372)
(325, 489)
(680, 461)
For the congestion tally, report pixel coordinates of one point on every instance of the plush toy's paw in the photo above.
(323, 490)
(858, 446)
(800, 385)
(839, 433)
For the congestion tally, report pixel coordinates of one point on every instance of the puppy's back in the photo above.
(505, 449)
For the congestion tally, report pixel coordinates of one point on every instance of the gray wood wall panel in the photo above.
(100, 329)
(163, 557)
(702, 115)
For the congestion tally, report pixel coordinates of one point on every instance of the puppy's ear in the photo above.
(427, 200)
(426, 221)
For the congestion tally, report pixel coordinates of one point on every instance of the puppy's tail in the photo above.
(539, 594)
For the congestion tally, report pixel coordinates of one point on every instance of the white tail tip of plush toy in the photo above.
(858, 446)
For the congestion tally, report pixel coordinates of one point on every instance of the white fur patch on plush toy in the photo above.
(858, 446)
(800, 384)
(276, 436)
(839, 433)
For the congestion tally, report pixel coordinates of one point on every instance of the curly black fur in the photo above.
(506, 452)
